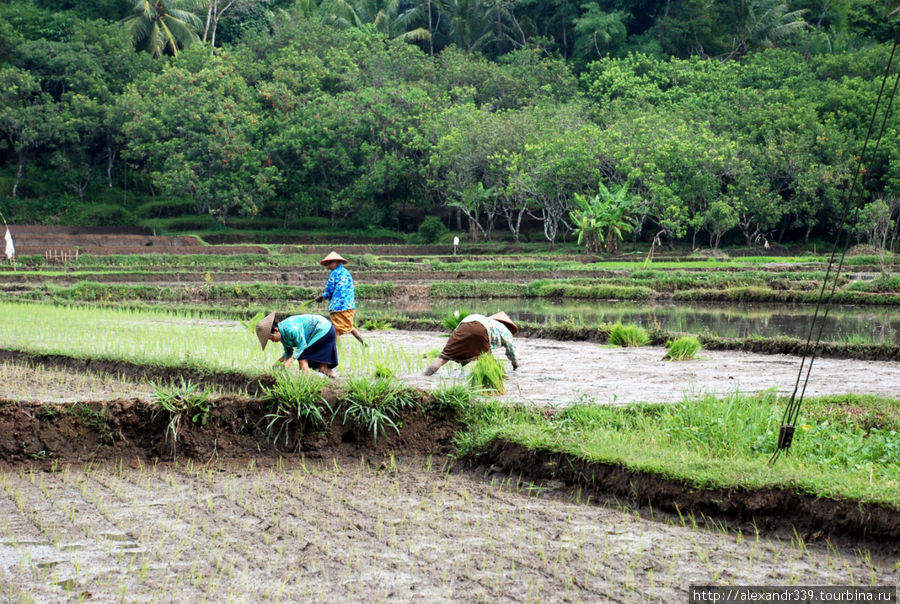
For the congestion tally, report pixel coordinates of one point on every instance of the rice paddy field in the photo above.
(352, 530)
(602, 474)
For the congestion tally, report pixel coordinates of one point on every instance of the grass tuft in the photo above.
(375, 405)
(295, 398)
(185, 399)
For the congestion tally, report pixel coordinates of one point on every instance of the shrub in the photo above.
(487, 374)
(682, 349)
(99, 215)
(432, 230)
(628, 335)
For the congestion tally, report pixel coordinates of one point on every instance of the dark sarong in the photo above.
(322, 350)
(467, 342)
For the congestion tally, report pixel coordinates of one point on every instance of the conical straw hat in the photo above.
(332, 256)
(504, 318)
(264, 328)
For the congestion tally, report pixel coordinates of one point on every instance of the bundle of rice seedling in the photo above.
(487, 374)
(452, 319)
(628, 335)
(682, 349)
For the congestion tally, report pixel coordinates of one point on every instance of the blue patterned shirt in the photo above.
(299, 332)
(340, 290)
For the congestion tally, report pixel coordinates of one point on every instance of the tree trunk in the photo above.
(18, 175)
(612, 243)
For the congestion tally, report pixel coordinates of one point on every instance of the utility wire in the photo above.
(792, 411)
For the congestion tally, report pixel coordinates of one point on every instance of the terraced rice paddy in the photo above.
(339, 517)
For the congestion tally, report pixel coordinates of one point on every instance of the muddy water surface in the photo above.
(560, 373)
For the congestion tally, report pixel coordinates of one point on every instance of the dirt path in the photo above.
(560, 373)
(342, 530)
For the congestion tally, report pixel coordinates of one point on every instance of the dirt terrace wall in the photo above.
(39, 239)
(768, 510)
(36, 432)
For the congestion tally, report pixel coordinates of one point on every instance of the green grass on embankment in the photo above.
(845, 447)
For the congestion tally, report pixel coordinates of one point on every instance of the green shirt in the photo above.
(299, 332)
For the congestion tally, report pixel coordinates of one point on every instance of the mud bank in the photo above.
(49, 433)
(772, 511)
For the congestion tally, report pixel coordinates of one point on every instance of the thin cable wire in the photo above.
(792, 411)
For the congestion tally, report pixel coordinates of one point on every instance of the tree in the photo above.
(475, 201)
(598, 33)
(601, 220)
(214, 13)
(196, 132)
(467, 23)
(384, 15)
(164, 26)
(762, 24)
(876, 221)
(718, 219)
(29, 119)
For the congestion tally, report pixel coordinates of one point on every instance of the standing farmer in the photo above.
(308, 339)
(477, 334)
(341, 295)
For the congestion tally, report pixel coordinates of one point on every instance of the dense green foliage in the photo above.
(739, 121)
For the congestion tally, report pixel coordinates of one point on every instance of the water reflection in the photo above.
(843, 323)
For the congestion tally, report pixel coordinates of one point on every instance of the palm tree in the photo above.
(164, 26)
(763, 23)
(468, 22)
(383, 14)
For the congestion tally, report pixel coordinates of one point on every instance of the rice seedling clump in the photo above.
(487, 374)
(628, 335)
(682, 349)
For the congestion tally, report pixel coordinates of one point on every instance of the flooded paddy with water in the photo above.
(844, 323)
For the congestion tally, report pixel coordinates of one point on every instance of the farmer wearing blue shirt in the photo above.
(308, 339)
(341, 295)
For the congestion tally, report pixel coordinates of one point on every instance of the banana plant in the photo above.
(603, 219)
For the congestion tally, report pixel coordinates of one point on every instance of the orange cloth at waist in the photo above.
(343, 321)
